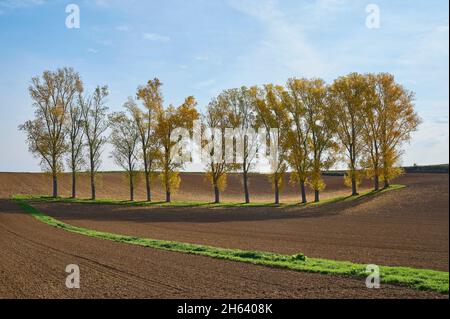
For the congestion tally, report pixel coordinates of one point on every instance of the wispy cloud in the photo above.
(123, 28)
(91, 50)
(15, 4)
(156, 37)
(102, 3)
(204, 84)
(431, 45)
(202, 58)
(284, 44)
(331, 5)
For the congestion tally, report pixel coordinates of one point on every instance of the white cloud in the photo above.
(91, 50)
(284, 49)
(123, 28)
(442, 28)
(432, 45)
(156, 37)
(102, 3)
(331, 5)
(202, 58)
(15, 4)
(204, 84)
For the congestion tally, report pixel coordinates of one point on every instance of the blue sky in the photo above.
(199, 47)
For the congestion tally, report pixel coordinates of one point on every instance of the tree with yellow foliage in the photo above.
(398, 121)
(167, 121)
(372, 115)
(320, 120)
(272, 114)
(346, 99)
(145, 121)
(215, 122)
(297, 135)
(53, 93)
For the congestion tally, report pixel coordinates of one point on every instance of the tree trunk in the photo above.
(247, 195)
(55, 185)
(216, 194)
(147, 185)
(377, 182)
(385, 173)
(277, 193)
(147, 177)
(131, 187)
(74, 184)
(354, 189)
(168, 197)
(353, 167)
(316, 195)
(93, 195)
(303, 191)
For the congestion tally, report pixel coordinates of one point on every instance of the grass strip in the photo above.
(420, 279)
(49, 199)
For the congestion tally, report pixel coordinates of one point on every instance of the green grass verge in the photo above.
(197, 203)
(421, 279)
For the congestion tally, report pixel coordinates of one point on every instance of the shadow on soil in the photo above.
(198, 214)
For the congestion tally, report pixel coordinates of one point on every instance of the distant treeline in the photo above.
(442, 168)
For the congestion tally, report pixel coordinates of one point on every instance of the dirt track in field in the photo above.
(33, 257)
(407, 227)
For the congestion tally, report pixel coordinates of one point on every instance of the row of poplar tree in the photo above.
(362, 120)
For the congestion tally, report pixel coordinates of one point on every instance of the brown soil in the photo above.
(407, 227)
(33, 257)
(403, 227)
(193, 187)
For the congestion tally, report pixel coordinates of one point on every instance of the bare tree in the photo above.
(75, 135)
(242, 118)
(52, 95)
(95, 122)
(124, 139)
